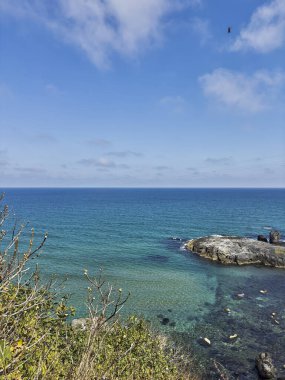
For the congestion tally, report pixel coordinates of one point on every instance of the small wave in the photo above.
(176, 238)
(268, 228)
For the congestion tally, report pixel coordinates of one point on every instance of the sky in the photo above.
(149, 93)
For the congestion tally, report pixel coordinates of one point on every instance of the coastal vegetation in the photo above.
(37, 340)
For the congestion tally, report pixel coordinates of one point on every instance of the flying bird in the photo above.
(229, 29)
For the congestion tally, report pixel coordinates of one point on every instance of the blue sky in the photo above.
(149, 93)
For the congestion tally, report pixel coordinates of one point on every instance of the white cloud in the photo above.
(249, 93)
(266, 29)
(101, 28)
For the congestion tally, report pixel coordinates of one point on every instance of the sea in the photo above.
(136, 237)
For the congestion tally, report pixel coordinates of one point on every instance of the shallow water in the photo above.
(129, 233)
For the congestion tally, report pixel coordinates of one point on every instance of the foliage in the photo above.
(38, 342)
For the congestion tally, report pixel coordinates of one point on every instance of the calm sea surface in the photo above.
(129, 234)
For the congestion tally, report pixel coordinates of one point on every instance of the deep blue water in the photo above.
(128, 233)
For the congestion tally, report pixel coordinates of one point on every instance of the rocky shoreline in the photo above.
(238, 250)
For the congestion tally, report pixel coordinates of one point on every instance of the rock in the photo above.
(227, 310)
(274, 237)
(165, 321)
(80, 323)
(262, 238)
(265, 366)
(238, 251)
(83, 323)
(204, 342)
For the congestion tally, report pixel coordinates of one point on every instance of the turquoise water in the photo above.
(129, 234)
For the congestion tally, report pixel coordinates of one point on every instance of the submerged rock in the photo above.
(265, 366)
(238, 251)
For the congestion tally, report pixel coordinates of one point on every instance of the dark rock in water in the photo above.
(274, 237)
(238, 251)
(164, 321)
(265, 366)
(262, 238)
(170, 310)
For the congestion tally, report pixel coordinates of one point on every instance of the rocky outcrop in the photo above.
(274, 237)
(238, 251)
(265, 367)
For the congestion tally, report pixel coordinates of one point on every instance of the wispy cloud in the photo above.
(266, 29)
(161, 167)
(99, 142)
(123, 154)
(101, 28)
(44, 138)
(175, 103)
(30, 170)
(251, 93)
(3, 161)
(202, 28)
(52, 89)
(101, 163)
(219, 160)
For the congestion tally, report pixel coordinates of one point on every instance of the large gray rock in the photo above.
(238, 250)
(265, 367)
(274, 237)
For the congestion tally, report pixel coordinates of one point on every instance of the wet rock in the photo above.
(263, 291)
(238, 251)
(274, 237)
(204, 342)
(164, 321)
(262, 238)
(265, 366)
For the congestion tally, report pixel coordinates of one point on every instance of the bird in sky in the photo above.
(229, 29)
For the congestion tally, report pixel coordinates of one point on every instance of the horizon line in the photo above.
(141, 187)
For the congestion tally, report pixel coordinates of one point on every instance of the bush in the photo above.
(38, 342)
